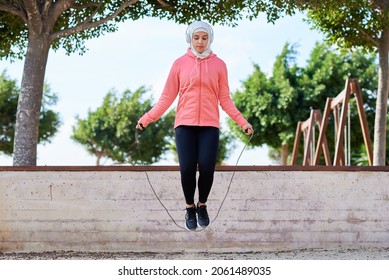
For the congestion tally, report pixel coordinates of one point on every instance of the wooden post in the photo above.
(363, 121)
(307, 127)
(296, 143)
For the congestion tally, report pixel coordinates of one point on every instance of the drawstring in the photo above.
(225, 196)
(195, 72)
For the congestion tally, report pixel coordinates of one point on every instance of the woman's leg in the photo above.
(186, 143)
(207, 152)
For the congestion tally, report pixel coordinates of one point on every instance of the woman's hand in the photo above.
(248, 129)
(140, 126)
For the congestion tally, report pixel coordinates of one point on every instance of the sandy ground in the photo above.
(304, 254)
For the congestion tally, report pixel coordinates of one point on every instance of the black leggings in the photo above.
(197, 146)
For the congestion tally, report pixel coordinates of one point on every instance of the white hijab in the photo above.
(199, 26)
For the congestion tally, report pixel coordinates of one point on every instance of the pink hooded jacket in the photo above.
(202, 84)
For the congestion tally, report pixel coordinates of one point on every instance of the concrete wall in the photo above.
(116, 210)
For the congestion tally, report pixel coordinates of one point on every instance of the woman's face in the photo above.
(200, 41)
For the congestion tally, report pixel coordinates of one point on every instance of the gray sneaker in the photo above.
(190, 218)
(202, 216)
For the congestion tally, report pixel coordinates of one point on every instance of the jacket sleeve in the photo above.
(166, 99)
(225, 100)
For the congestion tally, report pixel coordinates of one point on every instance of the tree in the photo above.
(272, 104)
(108, 132)
(29, 28)
(48, 119)
(277, 103)
(352, 24)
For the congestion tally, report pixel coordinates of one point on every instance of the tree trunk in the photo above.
(379, 151)
(30, 101)
(98, 159)
(284, 154)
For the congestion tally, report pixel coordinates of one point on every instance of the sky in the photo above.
(141, 53)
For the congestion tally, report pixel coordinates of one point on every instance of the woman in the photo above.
(200, 79)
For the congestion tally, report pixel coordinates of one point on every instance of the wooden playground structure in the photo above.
(340, 108)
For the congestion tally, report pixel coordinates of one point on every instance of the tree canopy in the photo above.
(68, 23)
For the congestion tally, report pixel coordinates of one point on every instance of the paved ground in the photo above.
(304, 254)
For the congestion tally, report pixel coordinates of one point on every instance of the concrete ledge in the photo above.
(267, 209)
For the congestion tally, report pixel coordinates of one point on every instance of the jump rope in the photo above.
(163, 205)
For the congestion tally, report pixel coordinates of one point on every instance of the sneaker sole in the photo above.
(193, 229)
(203, 226)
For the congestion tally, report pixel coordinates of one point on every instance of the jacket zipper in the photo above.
(200, 91)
